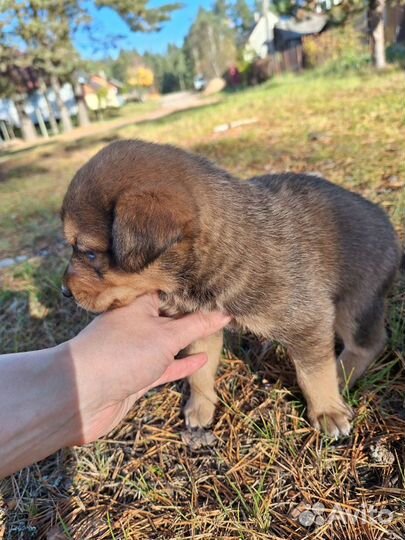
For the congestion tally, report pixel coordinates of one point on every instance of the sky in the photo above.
(106, 22)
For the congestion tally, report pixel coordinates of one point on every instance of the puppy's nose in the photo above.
(66, 291)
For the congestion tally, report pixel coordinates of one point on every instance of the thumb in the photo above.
(179, 369)
(195, 326)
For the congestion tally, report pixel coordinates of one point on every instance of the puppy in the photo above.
(290, 257)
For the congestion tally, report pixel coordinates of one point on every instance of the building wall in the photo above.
(95, 102)
(257, 42)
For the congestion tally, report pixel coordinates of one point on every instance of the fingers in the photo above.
(147, 304)
(179, 369)
(196, 326)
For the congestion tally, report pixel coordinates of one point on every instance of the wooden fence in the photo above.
(394, 23)
(278, 62)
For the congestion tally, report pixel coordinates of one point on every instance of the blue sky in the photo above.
(106, 22)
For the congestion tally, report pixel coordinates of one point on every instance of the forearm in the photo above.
(40, 411)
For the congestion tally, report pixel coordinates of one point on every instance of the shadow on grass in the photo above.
(22, 171)
(86, 142)
(112, 132)
(17, 151)
(178, 114)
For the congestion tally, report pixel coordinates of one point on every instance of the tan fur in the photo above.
(116, 289)
(291, 258)
(70, 230)
(200, 407)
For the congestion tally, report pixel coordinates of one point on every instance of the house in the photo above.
(261, 39)
(289, 31)
(102, 93)
(273, 33)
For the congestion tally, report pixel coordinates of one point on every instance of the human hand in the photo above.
(125, 352)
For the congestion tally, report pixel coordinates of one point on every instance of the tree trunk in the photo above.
(52, 119)
(213, 53)
(28, 130)
(376, 28)
(63, 111)
(182, 84)
(82, 112)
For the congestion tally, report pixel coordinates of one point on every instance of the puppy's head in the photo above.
(130, 221)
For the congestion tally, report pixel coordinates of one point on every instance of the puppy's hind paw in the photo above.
(199, 411)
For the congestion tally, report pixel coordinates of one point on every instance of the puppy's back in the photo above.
(334, 223)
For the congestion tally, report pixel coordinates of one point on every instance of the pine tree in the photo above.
(138, 15)
(211, 44)
(221, 8)
(243, 18)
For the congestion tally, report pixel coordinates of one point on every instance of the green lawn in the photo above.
(266, 464)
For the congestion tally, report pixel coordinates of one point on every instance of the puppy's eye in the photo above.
(90, 256)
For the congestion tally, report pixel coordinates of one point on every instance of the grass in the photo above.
(266, 465)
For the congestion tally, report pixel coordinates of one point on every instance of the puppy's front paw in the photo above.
(199, 411)
(335, 422)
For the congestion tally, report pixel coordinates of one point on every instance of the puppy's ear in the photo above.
(144, 226)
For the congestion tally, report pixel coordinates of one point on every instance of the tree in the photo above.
(13, 86)
(243, 19)
(140, 77)
(119, 68)
(375, 15)
(138, 15)
(44, 30)
(171, 69)
(220, 9)
(211, 45)
(177, 60)
(28, 130)
(376, 29)
(243, 15)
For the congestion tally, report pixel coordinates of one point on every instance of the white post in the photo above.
(41, 123)
(4, 131)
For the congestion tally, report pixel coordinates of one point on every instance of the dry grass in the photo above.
(264, 467)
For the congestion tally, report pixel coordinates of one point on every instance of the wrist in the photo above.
(40, 413)
(62, 378)
(93, 373)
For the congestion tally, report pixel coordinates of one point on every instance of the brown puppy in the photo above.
(291, 257)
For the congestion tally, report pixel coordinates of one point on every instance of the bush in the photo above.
(337, 50)
(351, 62)
(396, 54)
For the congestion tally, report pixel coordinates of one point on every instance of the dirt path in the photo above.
(170, 103)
